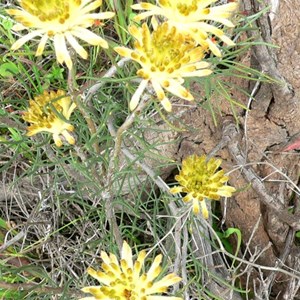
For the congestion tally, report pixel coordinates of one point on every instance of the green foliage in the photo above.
(8, 69)
(224, 237)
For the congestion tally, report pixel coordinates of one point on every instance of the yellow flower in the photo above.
(61, 20)
(123, 281)
(201, 180)
(192, 18)
(44, 114)
(166, 58)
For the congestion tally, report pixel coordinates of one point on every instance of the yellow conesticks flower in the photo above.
(63, 20)
(201, 180)
(166, 58)
(123, 280)
(43, 114)
(192, 17)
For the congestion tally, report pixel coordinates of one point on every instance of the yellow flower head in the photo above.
(63, 20)
(166, 58)
(123, 280)
(201, 180)
(192, 18)
(44, 115)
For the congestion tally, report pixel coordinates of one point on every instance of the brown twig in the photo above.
(110, 73)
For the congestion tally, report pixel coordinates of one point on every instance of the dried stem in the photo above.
(114, 164)
(110, 73)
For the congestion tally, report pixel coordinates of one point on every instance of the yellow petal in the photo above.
(89, 18)
(139, 264)
(70, 139)
(154, 23)
(176, 189)
(202, 65)
(18, 27)
(19, 43)
(204, 209)
(61, 50)
(188, 197)
(89, 37)
(105, 15)
(224, 11)
(41, 45)
(178, 90)
(210, 28)
(135, 32)
(13, 12)
(89, 7)
(223, 21)
(137, 95)
(78, 48)
(162, 284)
(196, 54)
(27, 19)
(198, 73)
(152, 10)
(127, 254)
(196, 207)
(167, 105)
(154, 270)
(32, 130)
(124, 51)
(143, 16)
(226, 191)
(144, 6)
(57, 140)
(94, 290)
(214, 49)
(158, 89)
(227, 40)
(70, 110)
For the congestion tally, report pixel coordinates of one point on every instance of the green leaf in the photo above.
(8, 69)
(236, 231)
(3, 224)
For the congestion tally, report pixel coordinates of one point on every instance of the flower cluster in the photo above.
(172, 51)
(175, 48)
(200, 180)
(166, 58)
(168, 52)
(123, 280)
(193, 19)
(59, 20)
(50, 112)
